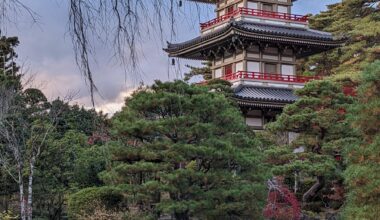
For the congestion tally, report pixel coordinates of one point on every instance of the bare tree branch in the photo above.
(11, 9)
(123, 25)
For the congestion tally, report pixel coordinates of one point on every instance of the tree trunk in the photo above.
(30, 189)
(21, 191)
(314, 189)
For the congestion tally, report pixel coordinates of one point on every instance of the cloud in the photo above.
(113, 106)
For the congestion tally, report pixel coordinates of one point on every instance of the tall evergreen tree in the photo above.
(10, 78)
(312, 160)
(185, 151)
(363, 172)
(359, 22)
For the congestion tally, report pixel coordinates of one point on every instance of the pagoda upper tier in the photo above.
(241, 35)
(242, 24)
(256, 41)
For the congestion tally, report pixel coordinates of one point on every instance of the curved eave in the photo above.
(191, 49)
(251, 99)
(260, 104)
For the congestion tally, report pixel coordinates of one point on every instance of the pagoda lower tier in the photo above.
(260, 104)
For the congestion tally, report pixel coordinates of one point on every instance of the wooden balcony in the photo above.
(257, 76)
(255, 13)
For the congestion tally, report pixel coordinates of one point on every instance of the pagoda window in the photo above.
(282, 9)
(270, 68)
(267, 7)
(239, 67)
(228, 70)
(287, 69)
(253, 66)
(218, 73)
(253, 5)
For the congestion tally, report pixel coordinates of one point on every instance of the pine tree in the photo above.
(184, 150)
(10, 78)
(312, 160)
(359, 22)
(363, 173)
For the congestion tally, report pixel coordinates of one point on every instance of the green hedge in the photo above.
(87, 200)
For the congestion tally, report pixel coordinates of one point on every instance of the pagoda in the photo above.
(255, 44)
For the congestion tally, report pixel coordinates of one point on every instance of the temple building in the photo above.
(255, 44)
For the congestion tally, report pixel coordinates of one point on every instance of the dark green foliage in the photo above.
(72, 117)
(363, 156)
(87, 200)
(7, 60)
(359, 22)
(184, 150)
(68, 163)
(319, 118)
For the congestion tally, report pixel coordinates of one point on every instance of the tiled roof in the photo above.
(270, 30)
(297, 32)
(266, 94)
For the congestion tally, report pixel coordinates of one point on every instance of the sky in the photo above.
(46, 54)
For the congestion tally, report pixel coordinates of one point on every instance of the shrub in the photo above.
(87, 201)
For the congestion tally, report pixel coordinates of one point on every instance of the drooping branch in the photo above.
(122, 25)
(11, 9)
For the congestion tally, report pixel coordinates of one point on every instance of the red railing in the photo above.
(269, 76)
(258, 13)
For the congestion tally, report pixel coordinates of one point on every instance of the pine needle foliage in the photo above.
(184, 150)
(318, 116)
(363, 157)
(358, 21)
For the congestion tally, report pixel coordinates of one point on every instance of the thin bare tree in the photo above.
(24, 130)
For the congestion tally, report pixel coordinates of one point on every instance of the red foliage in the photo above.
(349, 91)
(342, 111)
(282, 204)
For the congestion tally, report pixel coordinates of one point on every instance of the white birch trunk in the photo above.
(21, 189)
(30, 189)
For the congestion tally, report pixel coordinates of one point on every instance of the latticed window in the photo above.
(270, 68)
(267, 7)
